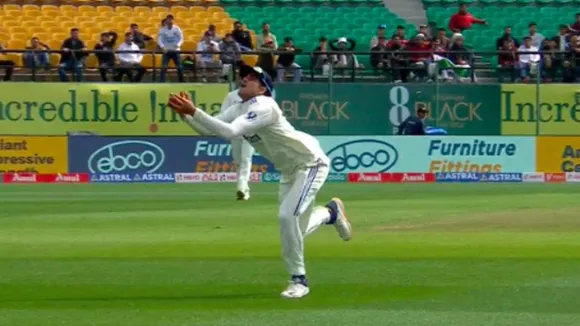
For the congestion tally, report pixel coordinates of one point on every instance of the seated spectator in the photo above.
(575, 27)
(129, 61)
(319, 59)
(106, 57)
(423, 29)
(230, 54)
(399, 63)
(266, 33)
(169, 39)
(73, 52)
(550, 63)
(463, 20)
(400, 33)
(507, 60)
(286, 60)
(206, 55)
(528, 61)
(537, 38)
(345, 59)
(439, 53)
(443, 39)
(36, 57)
(380, 57)
(243, 37)
(457, 62)
(562, 39)
(572, 63)
(266, 56)
(139, 38)
(211, 31)
(507, 36)
(419, 55)
(8, 65)
(380, 33)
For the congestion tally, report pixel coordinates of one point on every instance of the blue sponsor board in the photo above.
(457, 177)
(332, 177)
(501, 177)
(131, 155)
(271, 177)
(133, 177)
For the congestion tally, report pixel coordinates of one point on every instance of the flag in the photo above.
(462, 71)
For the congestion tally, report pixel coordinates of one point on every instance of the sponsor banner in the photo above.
(33, 154)
(558, 154)
(222, 177)
(378, 109)
(501, 177)
(457, 177)
(103, 109)
(45, 178)
(573, 177)
(368, 177)
(120, 155)
(533, 177)
(412, 177)
(556, 113)
(336, 177)
(555, 177)
(133, 177)
(271, 177)
(429, 154)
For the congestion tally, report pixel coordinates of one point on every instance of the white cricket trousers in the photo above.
(242, 153)
(298, 215)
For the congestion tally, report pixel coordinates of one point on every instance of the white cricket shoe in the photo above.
(295, 290)
(243, 194)
(342, 225)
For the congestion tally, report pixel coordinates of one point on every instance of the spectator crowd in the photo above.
(422, 57)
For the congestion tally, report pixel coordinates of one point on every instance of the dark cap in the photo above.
(265, 79)
(422, 109)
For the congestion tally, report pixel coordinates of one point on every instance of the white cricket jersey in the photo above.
(231, 99)
(261, 122)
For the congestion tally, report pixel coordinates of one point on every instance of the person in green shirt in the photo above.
(266, 33)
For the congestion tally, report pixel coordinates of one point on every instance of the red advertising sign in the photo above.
(413, 177)
(45, 178)
(555, 177)
(369, 177)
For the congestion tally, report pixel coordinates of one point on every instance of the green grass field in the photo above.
(434, 254)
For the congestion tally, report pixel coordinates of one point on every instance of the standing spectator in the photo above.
(230, 54)
(8, 65)
(37, 56)
(529, 61)
(399, 62)
(211, 31)
(443, 39)
(562, 39)
(169, 40)
(266, 33)
(380, 58)
(507, 36)
(72, 55)
(106, 58)
(286, 60)
(507, 60)
(207, 48)
(266, 56)
(575, 27)
(244, 38)
(139, 38)
(129, 57)
(321, 60)
(380, 33)
(537, 38)
(345, 59)
(463, 20)
(400, 36)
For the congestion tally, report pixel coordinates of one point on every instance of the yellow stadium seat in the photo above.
(85, 8)
(91, 42)
(17, 44)
(86, 25)
(28, 20)
(47, 24)
(17, 29)
(68, 8)
(120, 9)
(49, 8)
(54, 44)
(55, 58)
(140, 9)
(15, 57)
(10, 7)
(250, 59)
(60, 36)
(13, 13)
(176, 9)
(34, 30)
(188, 46)
(92, 61)
(157, 10)
(89, 14)
(107, 9)
(41, 36)
(30, 8)
(196, 8)
(4, 38)
(149, 59)
(68, 25)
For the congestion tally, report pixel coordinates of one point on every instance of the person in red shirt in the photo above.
(463, 20)
(507, 60)
(420, 55)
